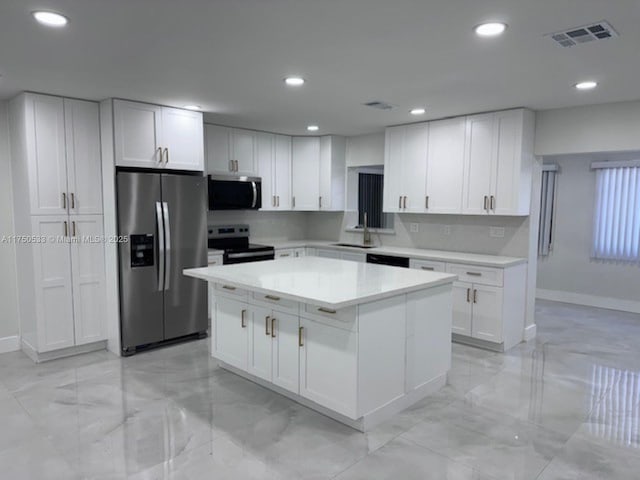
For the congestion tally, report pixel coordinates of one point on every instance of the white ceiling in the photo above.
(230, 56)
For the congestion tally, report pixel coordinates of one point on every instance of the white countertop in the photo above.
(417, 253)
(322, 281)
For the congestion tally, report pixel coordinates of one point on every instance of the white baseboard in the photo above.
(530, 332)
(9, 344)
(589, 300)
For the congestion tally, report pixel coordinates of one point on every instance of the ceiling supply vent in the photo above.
(379, 105)
(586, 34)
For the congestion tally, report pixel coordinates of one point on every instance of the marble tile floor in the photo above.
(565, 406)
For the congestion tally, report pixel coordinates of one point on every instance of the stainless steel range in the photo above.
(234, 240)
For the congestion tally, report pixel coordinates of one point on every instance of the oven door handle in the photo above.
(255, 195)
(250, 254)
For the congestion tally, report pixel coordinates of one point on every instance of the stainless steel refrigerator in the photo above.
(165, 218)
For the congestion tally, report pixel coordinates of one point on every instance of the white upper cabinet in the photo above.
(478, 163)
(151, 136)
(182, 142)
(394, 140)
(282, 173)
(305, 158)
(84, 167)
(332, 173)
(217, 148)
(243, 151)
(445, 166)
(231, 150)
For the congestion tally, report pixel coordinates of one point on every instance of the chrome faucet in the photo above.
(367, 234)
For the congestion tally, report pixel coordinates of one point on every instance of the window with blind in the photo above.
(547, 208)
(617, 211)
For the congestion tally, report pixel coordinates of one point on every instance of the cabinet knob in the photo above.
(166, 155)
(300, 336)
(242, 322)
(486, 200)
(493, 202)
(475, 296)
(64, 200)
(273, 327)
(159, 154)
(266, 325)
(73, 200)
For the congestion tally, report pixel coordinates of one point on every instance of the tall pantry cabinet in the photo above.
(57, 180)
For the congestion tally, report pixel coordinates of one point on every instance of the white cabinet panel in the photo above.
(305, 160)
(230, 337)
(282, 174)
(445, 166)
(506, 176)
(137, 132)
(324, 201)
(84, 165)
(285, 253)
(487, 313)
(46, 154)
(53, 289)
(182, 137)
(259, 360)
(265, 152)
(218, 149)
(394, 140)
(285, 364)
(462, 308)
(414, 169)
(328, 366)
(243, 151)
(87, 261)
(478, 163)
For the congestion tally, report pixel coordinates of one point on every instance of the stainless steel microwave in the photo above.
(234, 192)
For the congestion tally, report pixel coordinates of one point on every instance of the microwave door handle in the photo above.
(167, 234)
(255, 195)
(161, 246)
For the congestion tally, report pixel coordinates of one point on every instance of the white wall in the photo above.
(8, 296)
(265, 225)
(612, 127)
(568, 273)
(365, 150)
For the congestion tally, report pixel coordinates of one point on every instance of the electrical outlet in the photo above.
(414, 227)
(496, 232)
(446, 230)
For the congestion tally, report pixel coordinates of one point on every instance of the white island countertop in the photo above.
(324, 282)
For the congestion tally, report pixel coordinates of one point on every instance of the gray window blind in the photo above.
(547, 204)
(370, 199)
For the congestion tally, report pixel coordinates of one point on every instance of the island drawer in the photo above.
(344, 318)
(428, 265)
(475, 274)
(275, 302)
(231, 290)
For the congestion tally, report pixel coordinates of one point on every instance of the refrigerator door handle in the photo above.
(255, 195)
(161, 249)
(167, 237)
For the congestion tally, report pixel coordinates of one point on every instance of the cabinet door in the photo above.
(218, 149)
(259, 360)
(445, 166)
(285, 363)
(462, 308)
(84, 165)
(137, 131)
(328, 366)
(282, 177)
(230, 335)
(46, 154)
(479, 152)
(182, 136)
(266, 162)
(285, 253)
(505, 189)
(305, 161)
(324, 194)
(328, 253)
(53, 286)
(354, 257)
(243, 151)
(300, 252)
(487, 313)
(394, 140)
(87, 266)
(414, 168)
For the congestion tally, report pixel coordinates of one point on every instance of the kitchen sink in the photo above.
(353, 245)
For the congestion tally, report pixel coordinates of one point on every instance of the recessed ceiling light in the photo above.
(313, 128)
(193, 107)
(294, 81)
(589, 85)
(50, 19)
(417, 111)
(492, 29)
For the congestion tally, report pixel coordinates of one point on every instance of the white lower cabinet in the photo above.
(260, 343)
(462, 308)
(285, 351)
(230, 335)
(487, 313)
(327, 253)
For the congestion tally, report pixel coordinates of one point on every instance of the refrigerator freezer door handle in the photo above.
(255, 195)
(161, 256)
(167, 241)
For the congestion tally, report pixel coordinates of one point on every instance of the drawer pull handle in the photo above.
(272, 297)
(327, 310)
(431, 269)
(213, 262)
(273, 327)
(228, 287)
(242, 322)
(474, 274)
(266, 325)
(300, 334)
(285, 254)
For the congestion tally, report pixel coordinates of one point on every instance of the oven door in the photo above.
(246, 257)
(234, 193)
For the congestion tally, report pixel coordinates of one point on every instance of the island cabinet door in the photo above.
(260, 342)
(328, 366)
(230, 335)
(462, 308)
(286, 363)
(487, 313)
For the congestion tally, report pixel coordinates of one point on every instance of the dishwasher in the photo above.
(388, 260)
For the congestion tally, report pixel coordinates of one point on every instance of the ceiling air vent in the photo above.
(379, 105)
(588, 33)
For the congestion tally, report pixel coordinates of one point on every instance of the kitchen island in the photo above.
(357, 342)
